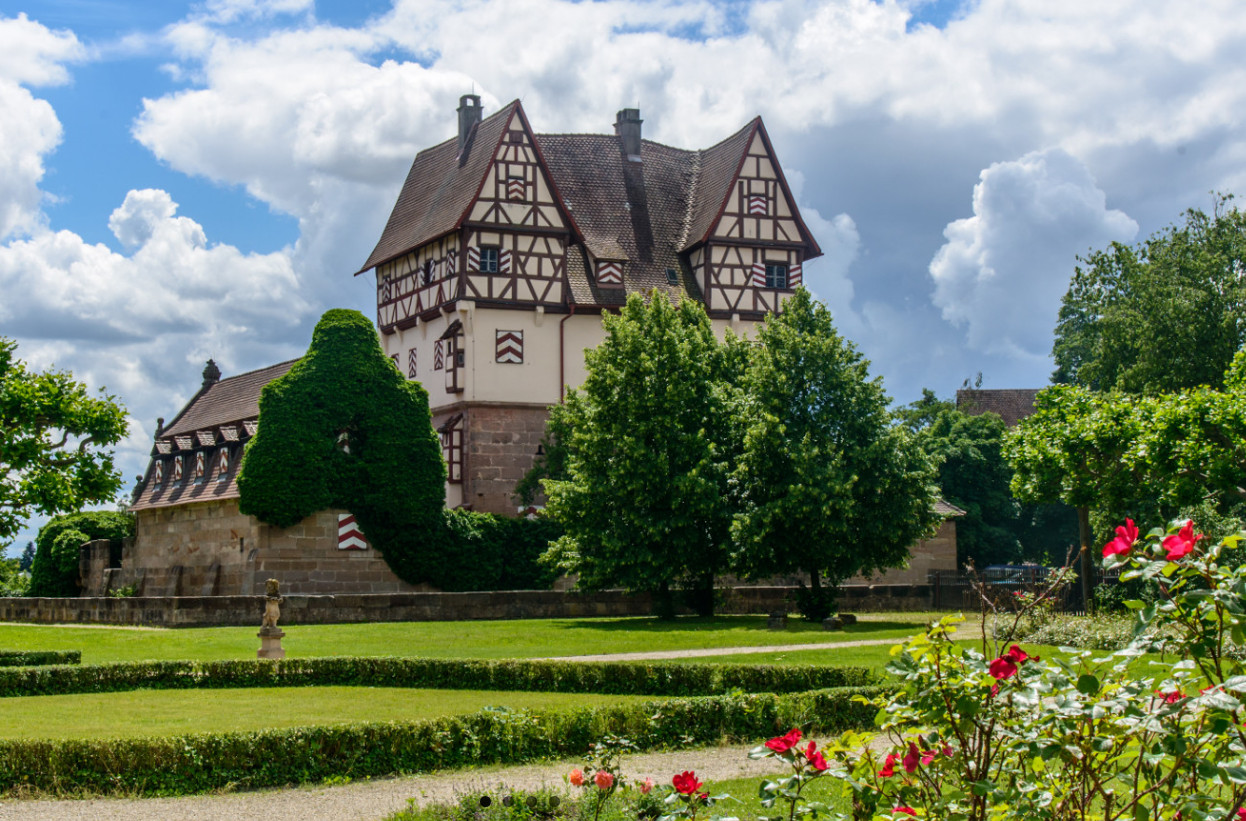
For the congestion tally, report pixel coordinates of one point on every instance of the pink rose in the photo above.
(1003, 667)
(604, 779)
(911, 759)
(646, 786)
(906, 811)
(576, 777)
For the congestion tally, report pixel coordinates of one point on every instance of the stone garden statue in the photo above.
(270, 634)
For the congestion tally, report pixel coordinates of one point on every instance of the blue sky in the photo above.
(195, 179)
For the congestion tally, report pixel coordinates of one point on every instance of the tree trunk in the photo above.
(665, 602)
(1088, 562)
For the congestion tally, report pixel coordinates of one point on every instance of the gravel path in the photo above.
(373, 800)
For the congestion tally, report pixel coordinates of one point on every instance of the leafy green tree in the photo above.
(973, 475)
(54, 569)
(344, 429)
(826, 486)
(54, 440)
(28, 557)
(644, 505)
(13, 580)
(1164, 315)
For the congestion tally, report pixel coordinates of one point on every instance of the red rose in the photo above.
(889, 766)
(1126, 535)
(816, 760)
(1170, 698)
(784, 743)
(686, 783)
(1181, 543)
(1017, 655)
(906, 811)
(1003, 667)
(911, 759)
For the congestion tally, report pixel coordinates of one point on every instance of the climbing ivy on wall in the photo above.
(344, 429)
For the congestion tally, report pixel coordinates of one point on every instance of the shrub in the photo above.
(451, 674)
(272, 758)
(37, 658)
(987, 733)
(54, 571)
(483, 551)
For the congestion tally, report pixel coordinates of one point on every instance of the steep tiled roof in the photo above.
(634, 211)
(645, 214)
(229, 400)
(438, 190)
(947, 510)
(221, 415)
(1012, 404)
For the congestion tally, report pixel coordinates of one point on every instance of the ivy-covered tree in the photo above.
(344, 429)
(644, 503)
(1164, 315)
(55, 440)
(826, 485)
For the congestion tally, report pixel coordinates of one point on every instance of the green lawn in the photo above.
(472, 639)
(178, 712)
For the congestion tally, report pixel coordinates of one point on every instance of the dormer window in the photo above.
(222, 464)
(158, 476)
(201, 466)
(672, 276)
(177, 469)
(776, 275)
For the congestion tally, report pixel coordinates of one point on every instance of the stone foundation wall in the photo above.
(211, 549)
(500, 445)
(175, 611)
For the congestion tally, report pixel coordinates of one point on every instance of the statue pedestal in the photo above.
(270, 643)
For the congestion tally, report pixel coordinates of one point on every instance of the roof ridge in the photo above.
(693, 189)
(257, 370)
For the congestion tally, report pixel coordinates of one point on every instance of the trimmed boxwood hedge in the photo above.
(35, 658)
(624, 678)
(274, 758)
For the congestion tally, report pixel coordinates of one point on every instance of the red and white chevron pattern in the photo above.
(757, 206)
(159, 477)
(439, 358)
(387, 289)
(222, 464)
(515, 188)
(759, 275)
(177, 468)
(349, 536)
(609, 273)
(473, 259)
(200, 465)
(510, 347)
(412, 361)
(794, 276)
(504, 261)
(450, 263)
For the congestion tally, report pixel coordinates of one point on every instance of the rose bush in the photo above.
(991, 732)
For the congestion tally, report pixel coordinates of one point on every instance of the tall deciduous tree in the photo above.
(55, 440)
(826, 485)
(973, 475)
(644, 503)
(1164, 315)
(344, 429)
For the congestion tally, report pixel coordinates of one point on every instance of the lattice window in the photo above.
(488, 259)
(452, 448)
(776, 275)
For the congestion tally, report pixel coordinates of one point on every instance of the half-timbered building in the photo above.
(505, 246)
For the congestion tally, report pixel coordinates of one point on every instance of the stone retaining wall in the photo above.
(184, 611)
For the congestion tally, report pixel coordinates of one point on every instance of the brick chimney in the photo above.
(469, 116)
(627, 127)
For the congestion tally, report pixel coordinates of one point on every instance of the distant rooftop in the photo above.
(1011, 404)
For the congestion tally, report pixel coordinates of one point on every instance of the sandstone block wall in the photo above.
(938, 553)
(185, 611)
(500, 446)
(212, 549)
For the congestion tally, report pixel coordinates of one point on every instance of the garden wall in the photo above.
(174, 611)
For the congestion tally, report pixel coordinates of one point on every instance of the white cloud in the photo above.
(1002, 271)
(30, 54)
